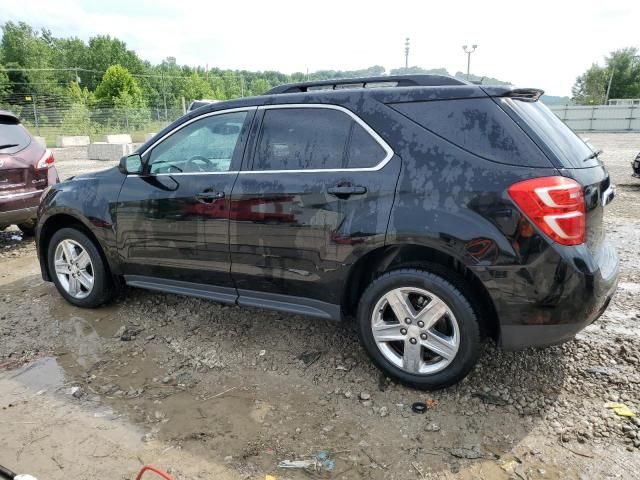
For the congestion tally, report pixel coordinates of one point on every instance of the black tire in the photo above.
(28, 228)
(103, 288)
(449, 290)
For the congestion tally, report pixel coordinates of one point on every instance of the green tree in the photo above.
(622, 68)
(23, 47)
(195, 87)
(5, 86)
(104, 51)
(115, 82)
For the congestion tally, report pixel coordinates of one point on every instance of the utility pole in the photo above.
(469, 52)
(406, 53)
(77, 77)
(164, 93)
(606, 97)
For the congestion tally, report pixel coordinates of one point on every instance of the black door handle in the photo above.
(346, 191)
(209, 196)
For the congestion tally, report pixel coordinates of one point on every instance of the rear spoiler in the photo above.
(8, 118)
(525, 94)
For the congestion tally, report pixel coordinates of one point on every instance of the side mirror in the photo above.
(130, 164)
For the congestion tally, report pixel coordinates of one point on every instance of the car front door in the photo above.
(172, 218)
(315, 195)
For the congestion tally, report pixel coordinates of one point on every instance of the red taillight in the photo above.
(46, 161)
(555, 205)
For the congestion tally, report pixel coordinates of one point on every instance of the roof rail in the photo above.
(368, 82)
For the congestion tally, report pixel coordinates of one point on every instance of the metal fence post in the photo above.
(35, 114)
(126, 120)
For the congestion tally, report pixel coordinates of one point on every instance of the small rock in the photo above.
(365, 396)
(348, 394)
(384, 411)
(120, 332)
(432, 427)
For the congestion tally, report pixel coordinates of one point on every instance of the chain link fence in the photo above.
(50, 116)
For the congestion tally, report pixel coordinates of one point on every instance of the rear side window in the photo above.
(479, 126)
(314, 138)
(13, 137)
(364, 150)
(560, 139)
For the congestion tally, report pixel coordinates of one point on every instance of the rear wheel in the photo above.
(28, 228)
(78, 270)
(419, 328)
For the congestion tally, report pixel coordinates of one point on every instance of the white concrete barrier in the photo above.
(41, 140)
(118, 138)
(72, 141)
(108, 151)
(149, 136)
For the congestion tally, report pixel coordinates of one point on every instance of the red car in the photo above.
(26, 169)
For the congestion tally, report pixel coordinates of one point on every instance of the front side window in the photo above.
(206, 145)
(314, 138)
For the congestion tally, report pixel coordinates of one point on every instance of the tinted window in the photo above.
(13, 138)
(478, 125)
(364, 150)
(562, 141)
(302, 138)
(206, 145)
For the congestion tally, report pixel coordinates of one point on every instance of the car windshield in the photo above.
(13, 138)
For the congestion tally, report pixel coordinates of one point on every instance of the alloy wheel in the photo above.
(415, 330)
(74, 268)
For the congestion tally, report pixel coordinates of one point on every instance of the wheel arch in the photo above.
(57, 222)
(392, 257)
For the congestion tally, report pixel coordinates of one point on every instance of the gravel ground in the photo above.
(213, 391)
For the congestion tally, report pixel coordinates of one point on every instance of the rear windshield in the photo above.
(479, 126)
(570, 150)
(13, 138)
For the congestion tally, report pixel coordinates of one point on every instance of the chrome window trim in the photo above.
(179, 127)
(385, 146)
(228, 172)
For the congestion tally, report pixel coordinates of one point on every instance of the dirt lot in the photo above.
(210, 391)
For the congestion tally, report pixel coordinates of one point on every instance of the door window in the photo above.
(206, 145)
(314, 138)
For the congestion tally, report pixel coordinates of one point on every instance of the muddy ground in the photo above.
(211, 391)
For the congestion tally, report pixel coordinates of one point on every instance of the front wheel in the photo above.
(78, 270)
(419, 328)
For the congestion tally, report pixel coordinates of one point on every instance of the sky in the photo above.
(543, 44)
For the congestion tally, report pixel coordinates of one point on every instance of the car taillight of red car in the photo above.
(46, 161)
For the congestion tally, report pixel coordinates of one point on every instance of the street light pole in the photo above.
(406, 53)
(469, 52)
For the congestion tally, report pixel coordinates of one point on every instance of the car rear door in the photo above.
(315, 194)
(172, 219)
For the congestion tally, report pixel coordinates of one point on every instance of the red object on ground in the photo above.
(149, 468)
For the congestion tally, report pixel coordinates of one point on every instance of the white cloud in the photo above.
(544, 44)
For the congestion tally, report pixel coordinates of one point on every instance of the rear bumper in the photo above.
(18, 216)
(21, 206)
(550, 301)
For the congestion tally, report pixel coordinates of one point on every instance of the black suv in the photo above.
(431, 210)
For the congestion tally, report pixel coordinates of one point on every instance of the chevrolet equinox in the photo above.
(430, 211)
